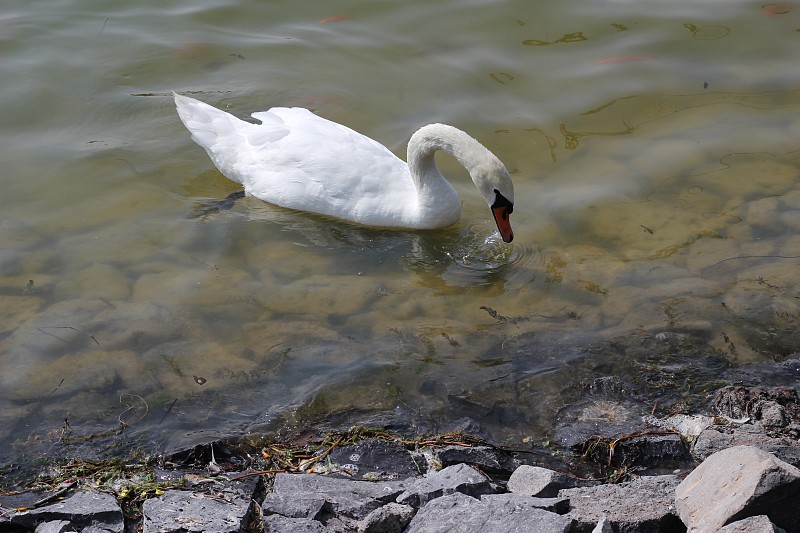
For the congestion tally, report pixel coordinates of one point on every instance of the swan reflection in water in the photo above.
(459, 256)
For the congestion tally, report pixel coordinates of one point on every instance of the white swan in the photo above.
(298, 160)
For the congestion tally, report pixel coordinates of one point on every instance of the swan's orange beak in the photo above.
(501, 217)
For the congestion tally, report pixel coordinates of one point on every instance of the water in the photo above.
(653, 148)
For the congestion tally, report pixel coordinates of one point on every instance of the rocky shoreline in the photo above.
(743, 477)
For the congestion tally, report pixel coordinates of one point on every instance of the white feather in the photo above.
(298, 160)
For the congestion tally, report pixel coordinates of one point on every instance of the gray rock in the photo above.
(186, 512)
(378, 459)
(754, 524)
(459, 513)
(490, 460)
(774, 414)
(457, 478)
(654, 450)
(281, 524)
(294, 505)
(538, 481)
(391, 518)
(56, 526)
(553, 505)
(715, 439)
(82, 510)
(344, 497)
(643, 505)
(97, 528)
(737, 483)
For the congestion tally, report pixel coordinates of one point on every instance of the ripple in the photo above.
(477, 259)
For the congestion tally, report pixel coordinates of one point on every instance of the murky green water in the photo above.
(654, 148)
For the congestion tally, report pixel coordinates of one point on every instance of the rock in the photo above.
(56, 526)
(83, 510)
(654, 450)
(774, 414)
(185, 512)
(781, 403)
(457, 513)
(737, 483)
(293, 505)
(754, 524)
(490, 460)
(377, 459)
(342, 497)
(642, 505)
(457, 478)
(718, 438)
(281, 524)
(537, 481)
(553, 505)
(391, 518)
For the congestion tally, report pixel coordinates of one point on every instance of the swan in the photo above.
(298, 160)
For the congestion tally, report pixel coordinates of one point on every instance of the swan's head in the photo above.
(495, 184)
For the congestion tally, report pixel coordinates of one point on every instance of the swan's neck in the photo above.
(434, 192)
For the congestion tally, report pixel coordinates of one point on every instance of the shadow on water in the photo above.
(450, 259)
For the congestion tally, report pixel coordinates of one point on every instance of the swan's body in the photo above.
(298, 160)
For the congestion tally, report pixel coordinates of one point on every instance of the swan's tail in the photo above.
(207, 124)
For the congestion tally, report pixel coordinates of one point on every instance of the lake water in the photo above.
(655, 152)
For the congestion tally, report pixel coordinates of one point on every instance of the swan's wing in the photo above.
(321, 166)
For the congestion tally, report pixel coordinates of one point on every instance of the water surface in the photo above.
(653, 147)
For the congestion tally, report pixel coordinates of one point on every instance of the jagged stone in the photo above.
(345, 497)
(281, 524)
(754, 524)
(737, 483)
(553, 505)
(490, 460)
(82, 510)
(55, 526)
(459, 513)
(457, 478)
(296, 505)
(391, 518)
(538, 481)
(642, 505)
(188, 512)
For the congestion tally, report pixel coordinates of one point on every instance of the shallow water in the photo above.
(653, 148)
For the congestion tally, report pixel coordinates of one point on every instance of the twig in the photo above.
(307, 462)
(101, 29)
(146, 409)
(53, 496)
(169, 409)
(259, 473)
(57, 387)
